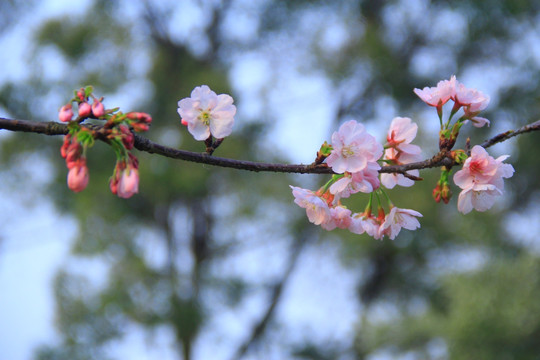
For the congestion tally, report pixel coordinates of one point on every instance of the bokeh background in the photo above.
(211, 263)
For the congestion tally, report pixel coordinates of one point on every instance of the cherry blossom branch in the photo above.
(146, 145)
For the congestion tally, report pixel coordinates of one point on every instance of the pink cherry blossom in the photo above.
(207, 113)
(479, 121)
(66, 113)
(353, 148)
(399, 218)
(364, 181)
(400, 135)
(439, 95)
(481, 179)
(78, 176)
(361, 223)
(473, 100)
(390, 180)
(128, 183)
(316, 208)
(339, 217)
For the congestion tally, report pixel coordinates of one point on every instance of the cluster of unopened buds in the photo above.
(117, 132)
(356, 158)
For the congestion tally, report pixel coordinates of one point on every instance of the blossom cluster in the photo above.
(356, 158)
(117, 132)
(353, 156)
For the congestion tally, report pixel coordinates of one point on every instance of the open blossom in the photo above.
(339, 217)
(364, 181)
(481, 180)
(207, 113)
(316, 208)
(361, 223)
(438, 95)
(390, 180)
(399, 218)
(401, 133)
(353, 148)
(473, 100)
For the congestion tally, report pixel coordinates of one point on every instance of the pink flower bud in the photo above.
(140, 127)
(65, 145)
(127, 137)
(81, 94)
(85, 109)
(97, 109)
(66, 113)
(184, 122)
(78, 176)
(128, 183)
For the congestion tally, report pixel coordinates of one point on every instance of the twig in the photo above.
(146, 145)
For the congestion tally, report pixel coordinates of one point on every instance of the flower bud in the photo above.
(81, 94)
(127, 136)
(128, 183)
(446, 193)
(437, 193)
(85, 109)
(78, 176)
(66, 113)
(98, 109)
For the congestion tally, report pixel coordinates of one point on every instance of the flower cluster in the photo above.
(353, 156)
(117, 132)
(356, 157)
(472, 100)
(481, 178)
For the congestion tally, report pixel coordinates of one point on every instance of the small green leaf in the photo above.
(88, 90)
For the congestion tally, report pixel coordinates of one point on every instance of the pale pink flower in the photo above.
(390, 180)
(85, 109)
(439, 95)
(481, 179)
(66, 113)
(399, 218)
(78, 176)
(207, 113)
(478, 121)
(353, 148)
(473, 100)
(400, 135)
(339, 217)
(316, 208)
(128, 184)
(364, 181)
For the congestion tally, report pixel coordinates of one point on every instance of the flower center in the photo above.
(347, 151)
(204, 116)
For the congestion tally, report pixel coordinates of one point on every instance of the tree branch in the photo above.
(146, 145)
